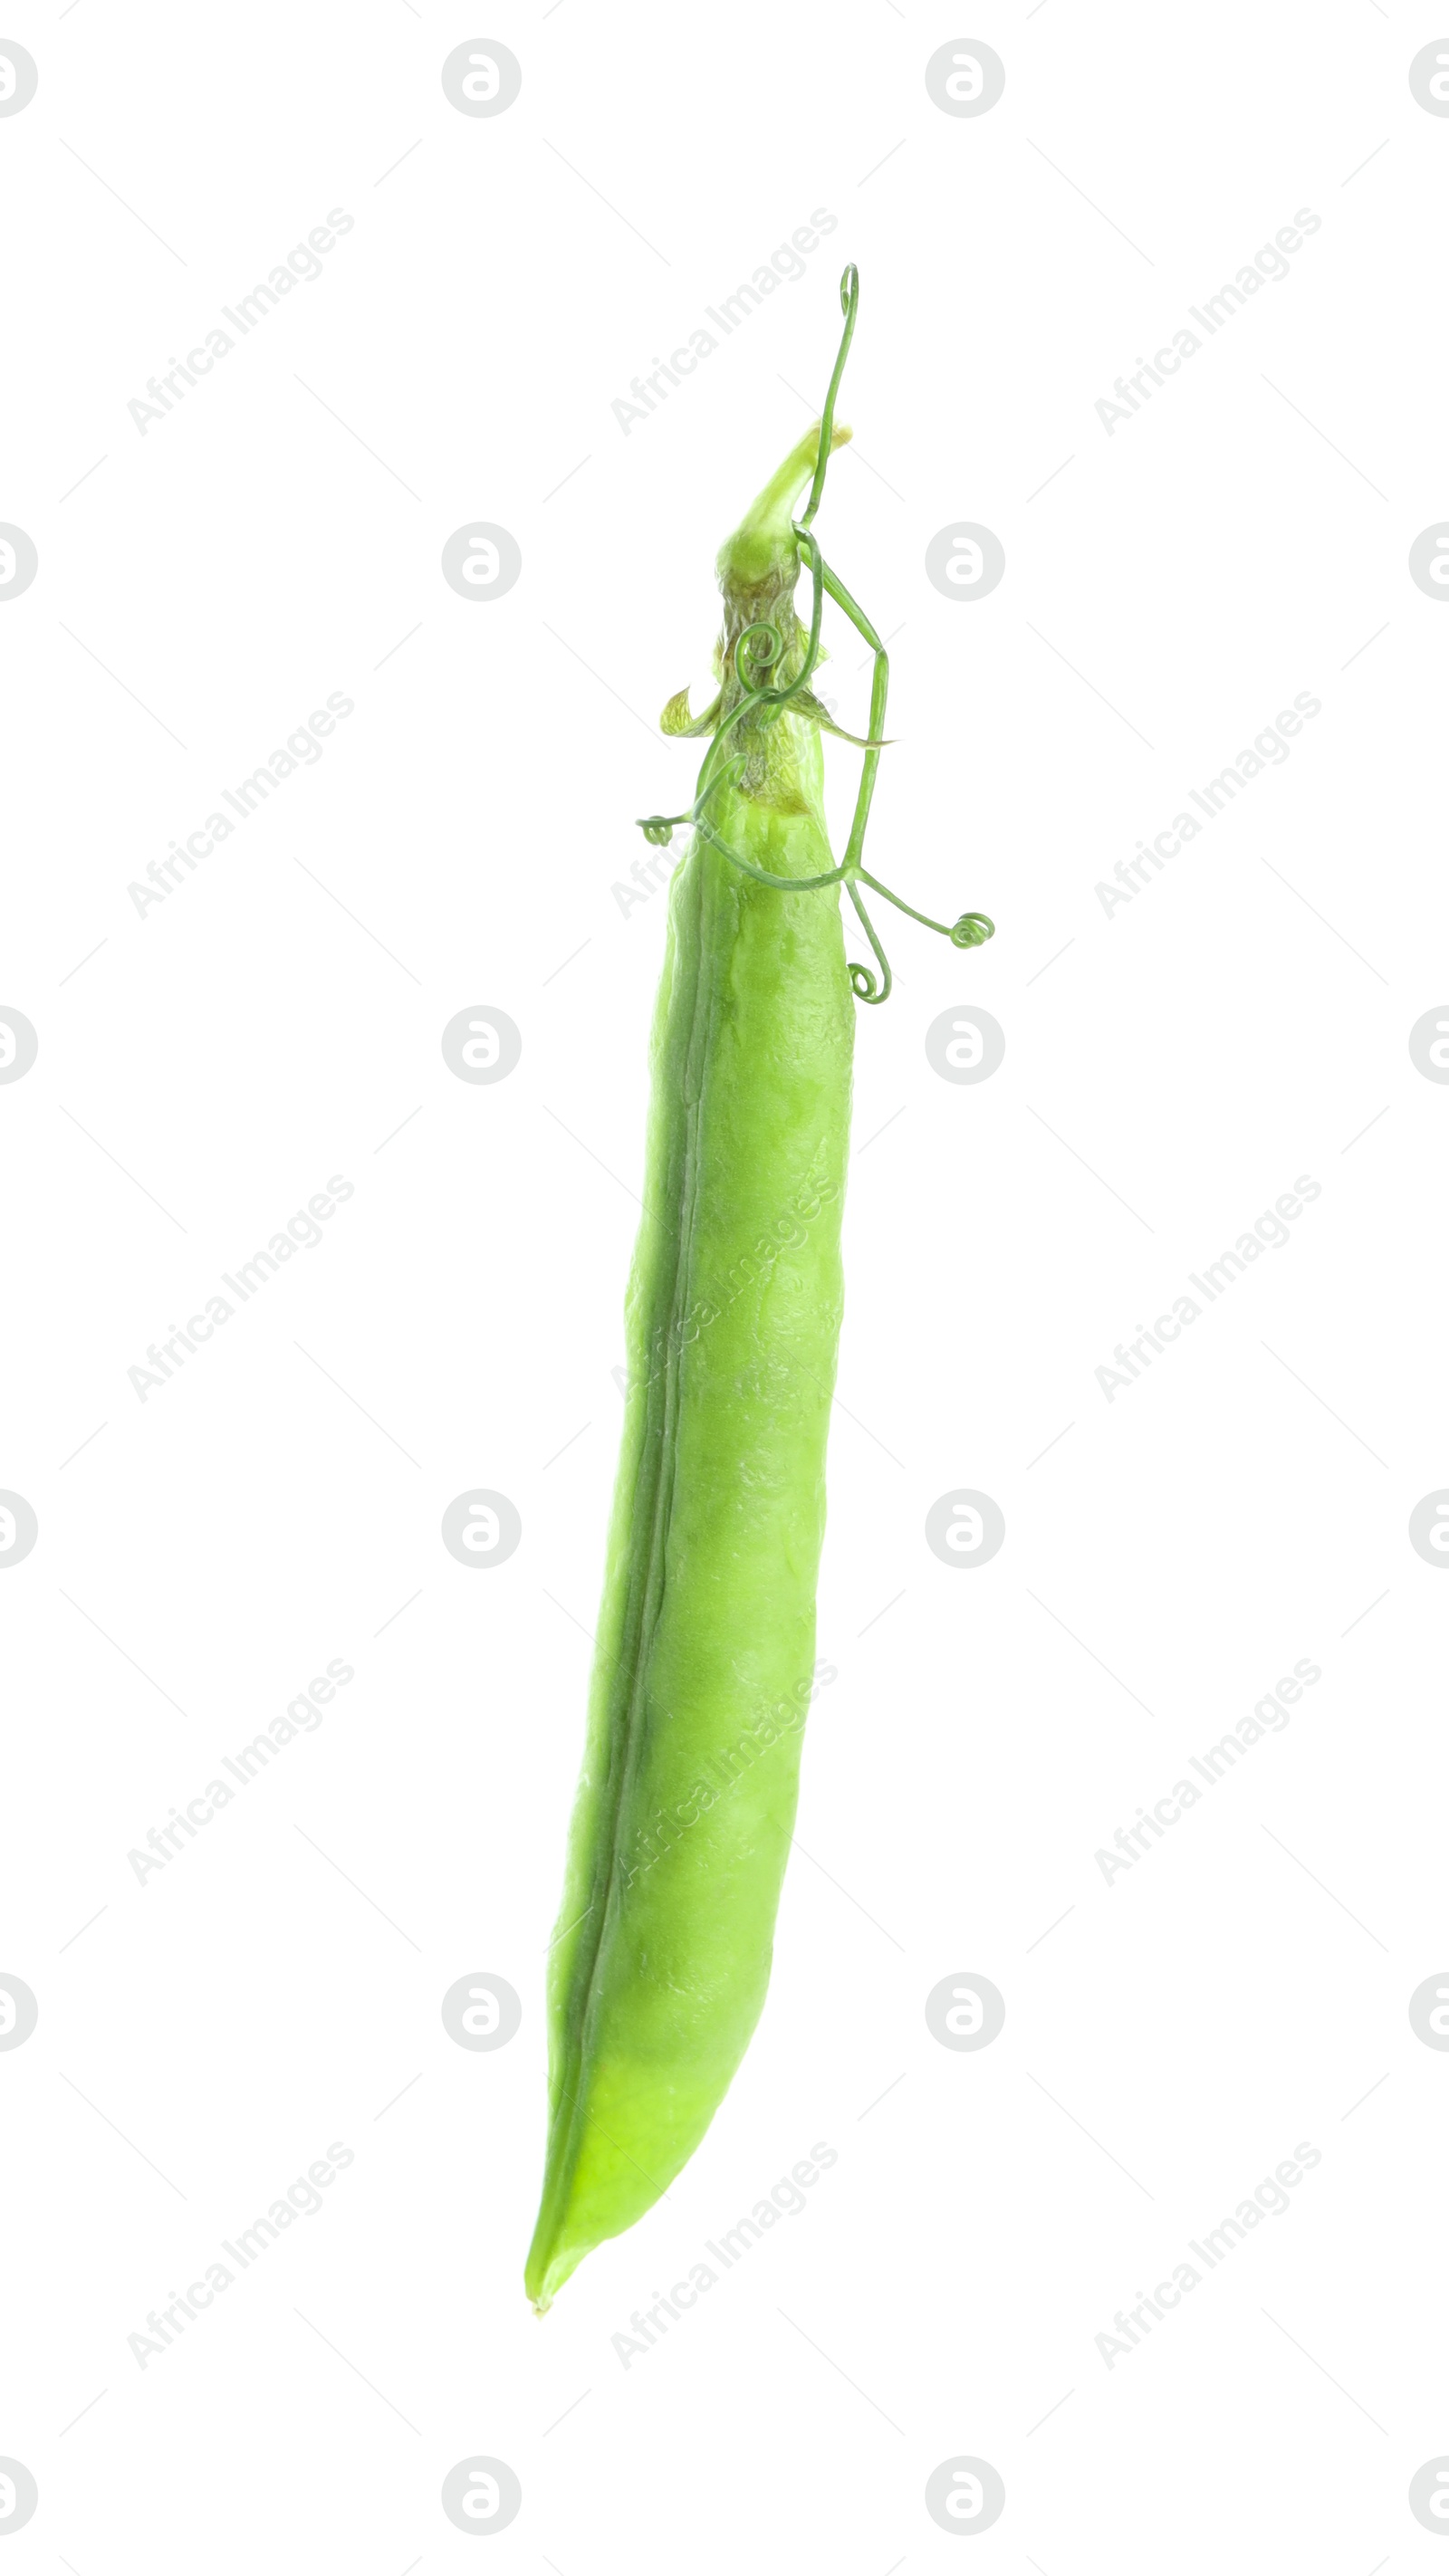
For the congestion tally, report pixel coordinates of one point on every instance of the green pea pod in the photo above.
(706, 1640)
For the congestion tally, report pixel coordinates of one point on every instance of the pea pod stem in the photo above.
(758, 650)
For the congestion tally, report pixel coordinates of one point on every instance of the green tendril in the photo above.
(759, 650)
(750, 655)
(862, 982)
(849, 305)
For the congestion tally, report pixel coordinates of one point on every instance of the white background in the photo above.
(1170, 1070)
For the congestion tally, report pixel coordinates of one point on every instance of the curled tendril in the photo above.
(760, 650)
(863, 983)
(760, 656)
